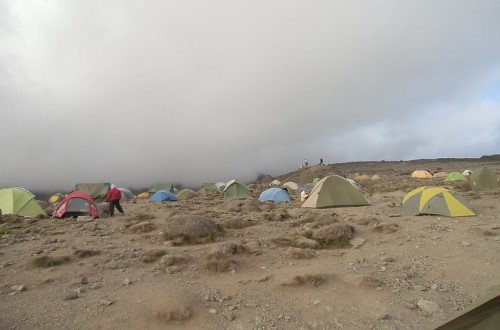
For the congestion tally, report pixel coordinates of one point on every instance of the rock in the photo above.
(466, 243)
(357, 242)
(419, 288)
(428, 306)
(126, 282)
(212, 311)
(105, 302)
(18, 288)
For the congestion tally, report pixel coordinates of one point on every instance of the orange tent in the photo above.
(421, 174)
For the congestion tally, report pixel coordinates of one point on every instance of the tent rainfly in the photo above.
(483, 179)
(235, 189)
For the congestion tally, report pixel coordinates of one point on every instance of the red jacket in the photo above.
(114, 194)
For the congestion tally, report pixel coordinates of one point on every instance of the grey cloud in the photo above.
(138, 93)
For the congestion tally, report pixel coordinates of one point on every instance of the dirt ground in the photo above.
(253, 265)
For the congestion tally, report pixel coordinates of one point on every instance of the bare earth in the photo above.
(262, 270)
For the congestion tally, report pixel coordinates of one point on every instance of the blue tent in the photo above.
(162, 196)
(275, 195)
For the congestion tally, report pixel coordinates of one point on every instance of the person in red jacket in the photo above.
(113, 197)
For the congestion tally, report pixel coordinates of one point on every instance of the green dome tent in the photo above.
(482, 179)
(335, 191)
(19, 201)
(235, 189)
(455, 176)
(185, 194)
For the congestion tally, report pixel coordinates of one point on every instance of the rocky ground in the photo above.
(206, 263)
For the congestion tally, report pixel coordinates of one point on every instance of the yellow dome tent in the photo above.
(436, 201)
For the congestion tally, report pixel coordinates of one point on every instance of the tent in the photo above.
(143, 195)
(440, 175)
(467, 172)
(279, 195)
(76, 203)
(354, 183)
(185, 194)
(163, 196)
(235, 189)
(220, 186)
(483, 314)
(307, 187)
(208, 186)
(19, 201)
(335, 191)
(55, 198)
(455, 176)
(126, 194)
(98, 191)
(483, 179)
(437, 201)
(160, 186)
(421, 174)
(275, 183)
(292, 185)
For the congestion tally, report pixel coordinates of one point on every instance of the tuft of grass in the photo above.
(86, 253)
(219, 262)
(141, 228)
(297, 253)
(152, 255)
(182, 313)
(314, 280)
(47, 261)
(8, 228)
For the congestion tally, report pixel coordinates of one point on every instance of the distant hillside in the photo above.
(350, 169)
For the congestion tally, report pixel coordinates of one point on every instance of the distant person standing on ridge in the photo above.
(305, 162)
(113, 197)
(321, 161)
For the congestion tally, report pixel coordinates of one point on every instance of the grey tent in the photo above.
(483, 314)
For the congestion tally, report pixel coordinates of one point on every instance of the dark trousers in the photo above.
(112, 205)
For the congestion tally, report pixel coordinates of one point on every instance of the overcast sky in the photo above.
(193, 91)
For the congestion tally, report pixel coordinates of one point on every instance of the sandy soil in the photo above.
(259, 269)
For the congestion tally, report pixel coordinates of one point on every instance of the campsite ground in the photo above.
(263, 270)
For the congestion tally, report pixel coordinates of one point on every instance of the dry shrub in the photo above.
(174, 259)
(483, 232)
(181, 313)
(462, 186)
(174, 263)
(191, 229)
(86, 253)
(142, 227)
(297, 253)
(237, 223)
(314, 280)
(219, 262)
(296, 240)
(152, 255)
(307, 219)
(337, 235)
(325, 219)
(47, 261)
(242, 205)
(142, 217)
(386, 228)
(368, 221)
(276, 216)
(230, 249)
